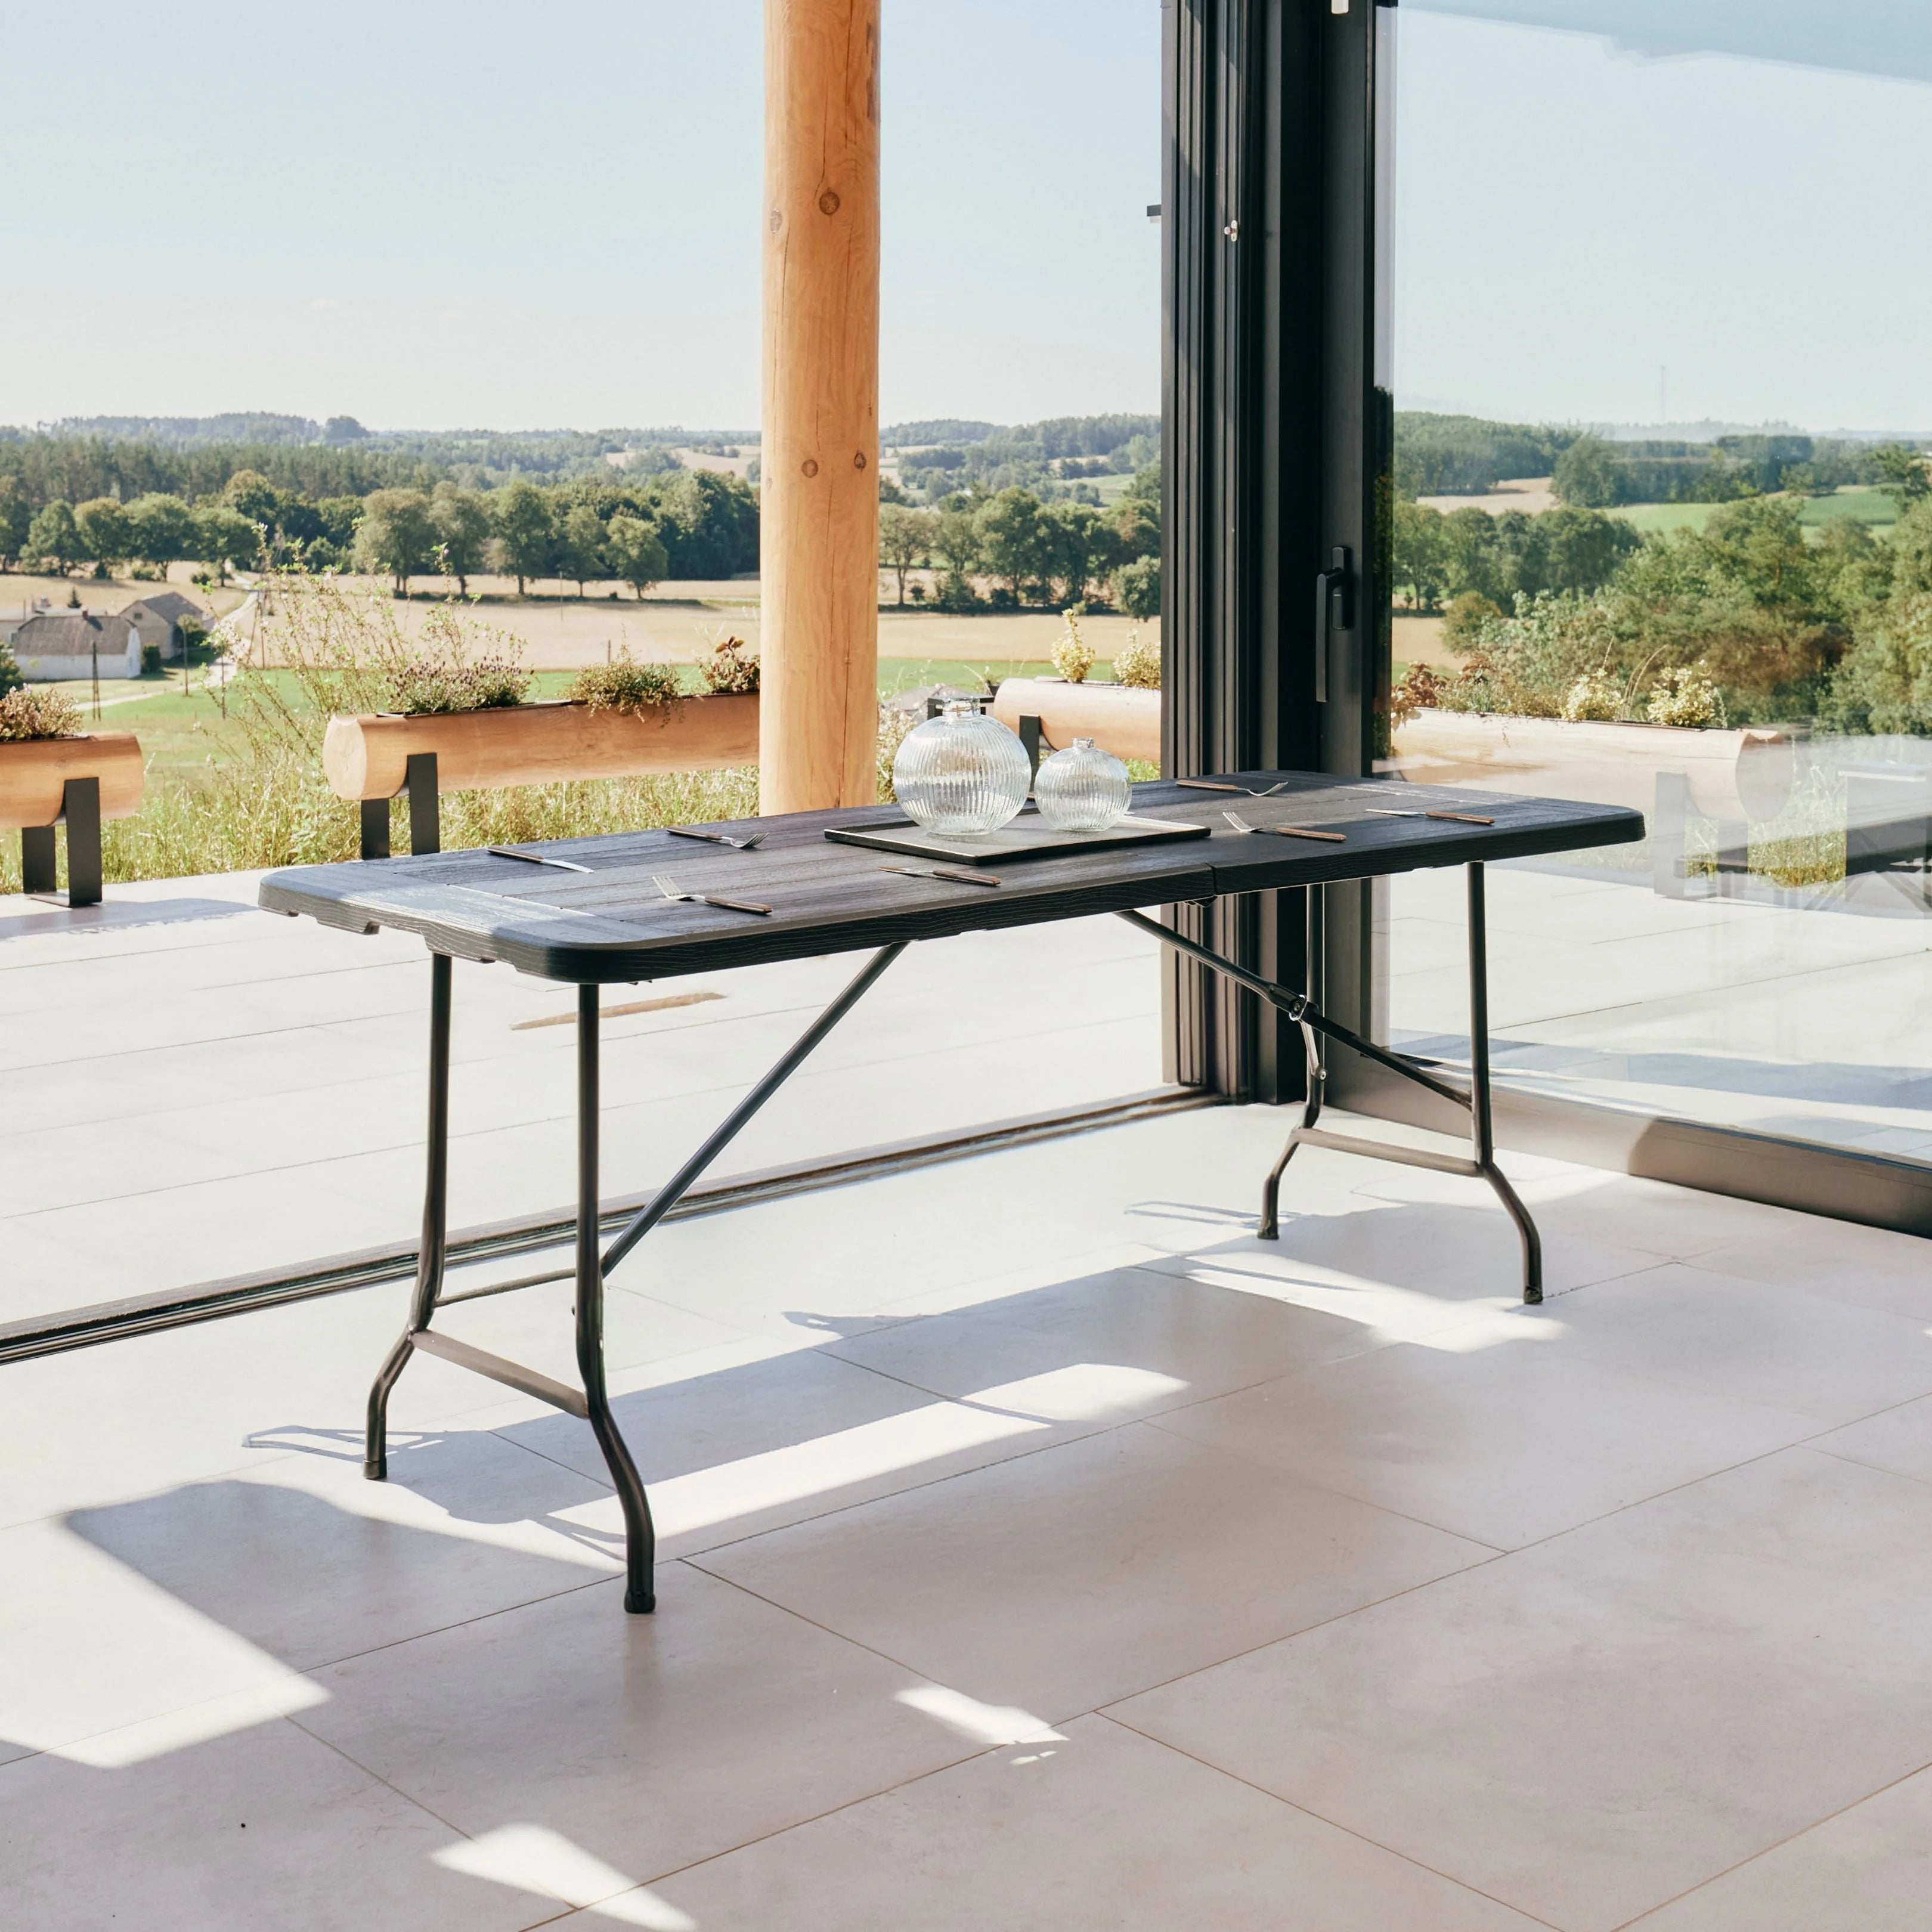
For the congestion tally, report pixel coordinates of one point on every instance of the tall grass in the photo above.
(268, 805)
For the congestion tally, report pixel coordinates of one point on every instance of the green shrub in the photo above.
(624, 685)
(432, 684)
(1137, 663)
(1072, 655)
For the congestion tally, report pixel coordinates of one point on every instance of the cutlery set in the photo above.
(964, 876)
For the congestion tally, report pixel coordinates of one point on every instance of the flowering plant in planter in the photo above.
(27, 714)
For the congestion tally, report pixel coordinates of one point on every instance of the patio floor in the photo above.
(1040, 1549)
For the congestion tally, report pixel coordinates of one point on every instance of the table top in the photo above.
(610, 924)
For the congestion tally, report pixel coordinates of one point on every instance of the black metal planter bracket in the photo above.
(591, 1403)
(1480, 1162)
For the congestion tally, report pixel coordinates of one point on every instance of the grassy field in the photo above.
(1868, 506)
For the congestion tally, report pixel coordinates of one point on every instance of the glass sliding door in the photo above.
(1662, 536)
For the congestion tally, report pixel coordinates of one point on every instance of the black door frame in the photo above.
(1278, 430)
(1277, 423)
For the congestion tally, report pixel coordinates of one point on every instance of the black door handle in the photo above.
(1334, 610)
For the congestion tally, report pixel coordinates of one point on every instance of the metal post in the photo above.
(40, 865)
(80, 807)
(1482, 1133)
(375, 828)
(639, 1539)
(419, 781)
(435, 1221)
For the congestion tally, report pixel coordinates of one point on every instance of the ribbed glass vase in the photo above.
(1082, 789)
(961, 773)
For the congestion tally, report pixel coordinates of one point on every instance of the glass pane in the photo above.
(1664, 539)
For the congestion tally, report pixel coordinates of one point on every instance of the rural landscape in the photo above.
(1752, 576)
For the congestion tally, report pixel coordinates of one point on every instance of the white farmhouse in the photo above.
(57, 646)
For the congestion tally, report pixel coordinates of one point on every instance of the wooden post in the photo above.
(819, 461)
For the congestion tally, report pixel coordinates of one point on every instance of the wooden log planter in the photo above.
(1121, 718)
(1727, 776)
(373, 759)
(77, 782)
(1667, 772)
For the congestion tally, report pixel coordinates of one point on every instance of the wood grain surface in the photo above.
(539, 744)
(819, 505)
(34, 773)
(610, 924)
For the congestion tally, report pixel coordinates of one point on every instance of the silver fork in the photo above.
(1221, 785)
(750, 844)
(1240, 824)
(668, 886)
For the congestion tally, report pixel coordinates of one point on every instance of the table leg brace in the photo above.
(1481, 1163)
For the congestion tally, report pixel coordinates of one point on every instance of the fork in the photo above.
(1221, 785)
(750, 844)
(668, 886)
(1240, 824)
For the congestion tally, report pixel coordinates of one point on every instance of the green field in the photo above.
(1871, 507)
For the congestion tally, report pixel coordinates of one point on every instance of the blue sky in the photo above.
(431, 215)
(1576, 212)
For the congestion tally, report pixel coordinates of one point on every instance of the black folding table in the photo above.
(588, 912)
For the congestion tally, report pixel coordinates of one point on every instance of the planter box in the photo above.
(1118, 718)
(1730, 776)
(539, 744)
(34, 773)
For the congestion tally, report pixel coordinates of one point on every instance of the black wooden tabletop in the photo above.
(610, 923)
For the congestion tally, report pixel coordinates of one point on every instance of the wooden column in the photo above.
(819, 716)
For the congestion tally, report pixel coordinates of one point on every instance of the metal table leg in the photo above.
(1315, 1025)
(436, 1223)
(591, 1403)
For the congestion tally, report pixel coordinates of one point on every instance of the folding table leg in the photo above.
(1482, 1135)
(1269, 1229)
(436, 1223)
(639, 1538)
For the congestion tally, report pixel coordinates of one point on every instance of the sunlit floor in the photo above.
(1040, 1549)
(1791, 1021)
(194, 1089)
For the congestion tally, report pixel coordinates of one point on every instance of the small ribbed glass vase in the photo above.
(1082, 789)
(961, 773)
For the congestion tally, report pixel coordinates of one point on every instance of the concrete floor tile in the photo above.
(1057, 1581)
(757, 1445)
(310, 1562)
(1830, 1360)
(652, 1742)
(1898, 1439)
(1586, 1729)
(1499, 1435)
(1095, 1830)
(1129, 1342)
(1867, 1869)
(264, 1827)
(1870, 1266)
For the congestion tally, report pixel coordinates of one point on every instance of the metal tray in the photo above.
(1026, 837)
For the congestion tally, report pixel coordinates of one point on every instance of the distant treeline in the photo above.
(686, 523)
(1593, 474)
(1036, 551)
(195, 455)
(1468, 456)
(1049, 457)
(1464, 456)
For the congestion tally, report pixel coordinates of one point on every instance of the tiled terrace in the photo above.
(1039, 1548)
